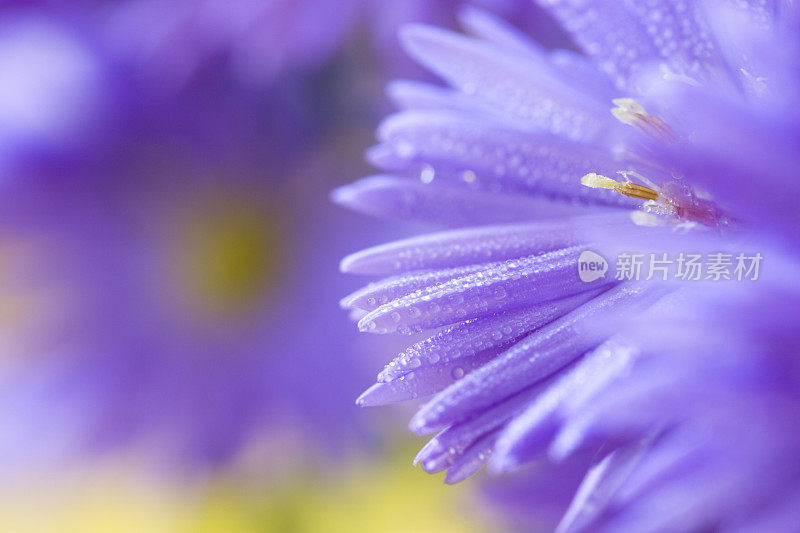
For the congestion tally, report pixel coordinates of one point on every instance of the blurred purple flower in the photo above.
(87, 73)
(170, 306)
(680, 396)
(172, 43)
(158, 238)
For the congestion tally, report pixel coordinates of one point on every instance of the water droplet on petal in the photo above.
(427, 174)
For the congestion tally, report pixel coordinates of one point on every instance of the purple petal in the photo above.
(468, 338)
(471, 460)
(608, 32)
(425, 381)
(460, 435)
(598, 488)
(382, 292)
(504, 285)
(500, 156)
(496, 31)
(534, 358)
(522, 440)
(405, 199)
(494, 75)
(478, 245)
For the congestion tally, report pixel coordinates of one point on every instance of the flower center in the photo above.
(228, 256)
(673, 198)
(628, 188)
(629, 112)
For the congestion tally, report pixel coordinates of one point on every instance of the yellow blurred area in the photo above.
(109, 499)
(15, 306)
(28, 301)
(228, 251)
(378, 496)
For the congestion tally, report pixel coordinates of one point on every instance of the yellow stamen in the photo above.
(628, 188)
(628, 111)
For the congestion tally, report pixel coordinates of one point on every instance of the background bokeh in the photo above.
(173, 355)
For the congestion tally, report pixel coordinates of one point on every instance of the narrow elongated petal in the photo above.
(471, 337)
(534, 358)
(582, 72)
(418, 95)
(598, 488)
(382, 292)
(402, 198)
(569, 66)
(493, 75)
(608, 32)
(471, 460)
(505, 285)
(424, 96)
(425, 381)
(501, 157)
(677, 31)
(478, 245)
(495, 30)
(521, 439)
(460, 435)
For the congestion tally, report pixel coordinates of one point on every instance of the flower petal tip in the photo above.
(368, 397)
(356, 263)
(433, 465)
(414, 36)
(502, 463)
(346, 302)
(431, 450)
(343, 195)
(363, 196)
(419, 425)
(367, 325)
(377, 322)
(455, 476)
(384, 394)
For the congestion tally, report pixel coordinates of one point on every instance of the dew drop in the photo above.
(427, 174)
(404, 149)
(499, 293)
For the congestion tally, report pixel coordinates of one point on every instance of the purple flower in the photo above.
(87, 76)
(171, 311)
(677, 393)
